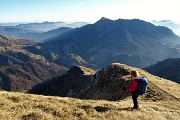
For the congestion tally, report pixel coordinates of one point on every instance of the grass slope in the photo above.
(20, 106)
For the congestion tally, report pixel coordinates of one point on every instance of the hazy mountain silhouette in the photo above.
(46, 35)
(169, 69)
(106, 41)
(38, 31)
(46, 26)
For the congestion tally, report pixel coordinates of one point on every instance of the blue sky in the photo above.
(87, 10)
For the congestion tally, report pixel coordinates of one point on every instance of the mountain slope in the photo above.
(20, 70)
(22, 106)
(8, 60)
(169, 69)
(24, 76)
(4, 40)
(103, 42)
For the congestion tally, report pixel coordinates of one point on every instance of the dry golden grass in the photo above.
(20, 106)
(87, 71)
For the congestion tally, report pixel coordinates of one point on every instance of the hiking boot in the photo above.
(135, 107)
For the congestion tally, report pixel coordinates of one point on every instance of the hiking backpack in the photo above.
(142, 85)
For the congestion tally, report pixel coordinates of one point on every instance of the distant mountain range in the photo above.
(43, 26)
(132, 42)
(169, 69)
(38, 31)
(46, 26)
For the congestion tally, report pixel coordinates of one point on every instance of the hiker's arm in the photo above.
(133, 87)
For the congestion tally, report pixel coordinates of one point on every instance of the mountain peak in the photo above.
(81, 69)
(104, 20)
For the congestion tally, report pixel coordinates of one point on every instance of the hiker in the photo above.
(133, 88)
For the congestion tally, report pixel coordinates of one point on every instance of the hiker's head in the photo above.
(134, 73)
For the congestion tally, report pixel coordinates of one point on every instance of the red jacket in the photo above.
(134, 85)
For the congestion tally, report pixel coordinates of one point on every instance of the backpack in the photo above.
(142, 85)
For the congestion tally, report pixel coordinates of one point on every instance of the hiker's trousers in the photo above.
(134, 97)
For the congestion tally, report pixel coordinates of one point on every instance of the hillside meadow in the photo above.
(20, 106)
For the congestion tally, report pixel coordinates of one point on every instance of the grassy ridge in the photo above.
(19, 106)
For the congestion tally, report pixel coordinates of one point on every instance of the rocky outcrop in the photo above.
(78, 78)
(105, 84)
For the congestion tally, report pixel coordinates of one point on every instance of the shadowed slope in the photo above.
(169, 69)
(75, 80)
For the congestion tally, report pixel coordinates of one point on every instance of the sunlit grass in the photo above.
(19, 106)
